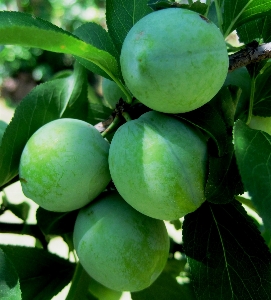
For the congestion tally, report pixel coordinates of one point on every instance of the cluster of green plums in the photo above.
(173, 61)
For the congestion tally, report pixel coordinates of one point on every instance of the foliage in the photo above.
(224, 252)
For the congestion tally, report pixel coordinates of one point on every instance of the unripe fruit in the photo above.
(119, 247)
(261, 123)
(64, 165)
(111, 92)
(174, 60)
(158, 165)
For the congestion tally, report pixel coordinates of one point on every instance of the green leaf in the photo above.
(3, 126)
(55, 223)
(240, 78)
(165, 288)
(237, 13)
(255, 30)
(18, 28)
(98, 37)
(9, 281)
(253, 148)
(225, 102)
(209, 119)
(49, 101)
(98, 113)
(20, 210)
(262, 98)
(42, 274)
(121, 17)
(224, 181)
(227, 256)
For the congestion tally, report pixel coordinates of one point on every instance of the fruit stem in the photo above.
(80, 284)
(126, 116)
(112, 126)
(251, 100)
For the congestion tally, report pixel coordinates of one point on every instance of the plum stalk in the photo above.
(113, 125)
(80, 284)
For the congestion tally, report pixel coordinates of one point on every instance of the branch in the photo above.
(251, 54)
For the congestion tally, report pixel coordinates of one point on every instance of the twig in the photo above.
(251, 54)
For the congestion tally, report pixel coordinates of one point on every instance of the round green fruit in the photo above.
(64, 165)
(158, 165)
(261, 123)
(174, 60)
(111, 92)
(119, 247)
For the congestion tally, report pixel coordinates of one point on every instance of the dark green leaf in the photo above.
(253, 148)
(55, 223)
(98, 113)
(122, 15)
(9, 281)
(227, 256)
(42, 274)
(176, 266)
(224, 181)
(95, 35)
(3, 126)
(19, 210)
(209, 119)
(262, 100)
(236, 13)
(255, 30)
(240, 78)
(18, 28)
(165, 288)
(225, 102)
(49, 101)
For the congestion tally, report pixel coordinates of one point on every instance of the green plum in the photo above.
(64, 165)
(174, 60)
(261, 123)
(158, 165)
(119, 247)
(111, 92)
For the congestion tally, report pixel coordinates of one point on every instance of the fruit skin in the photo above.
(174, 60)
(261, 123)
(119, 247)
(158, 165)
(111, 92)
(64, 165)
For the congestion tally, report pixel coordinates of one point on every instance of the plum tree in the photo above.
(118, 246)
(64, 165)
(111, 92)
(158, 165)
(261, 123)
(174, 60)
